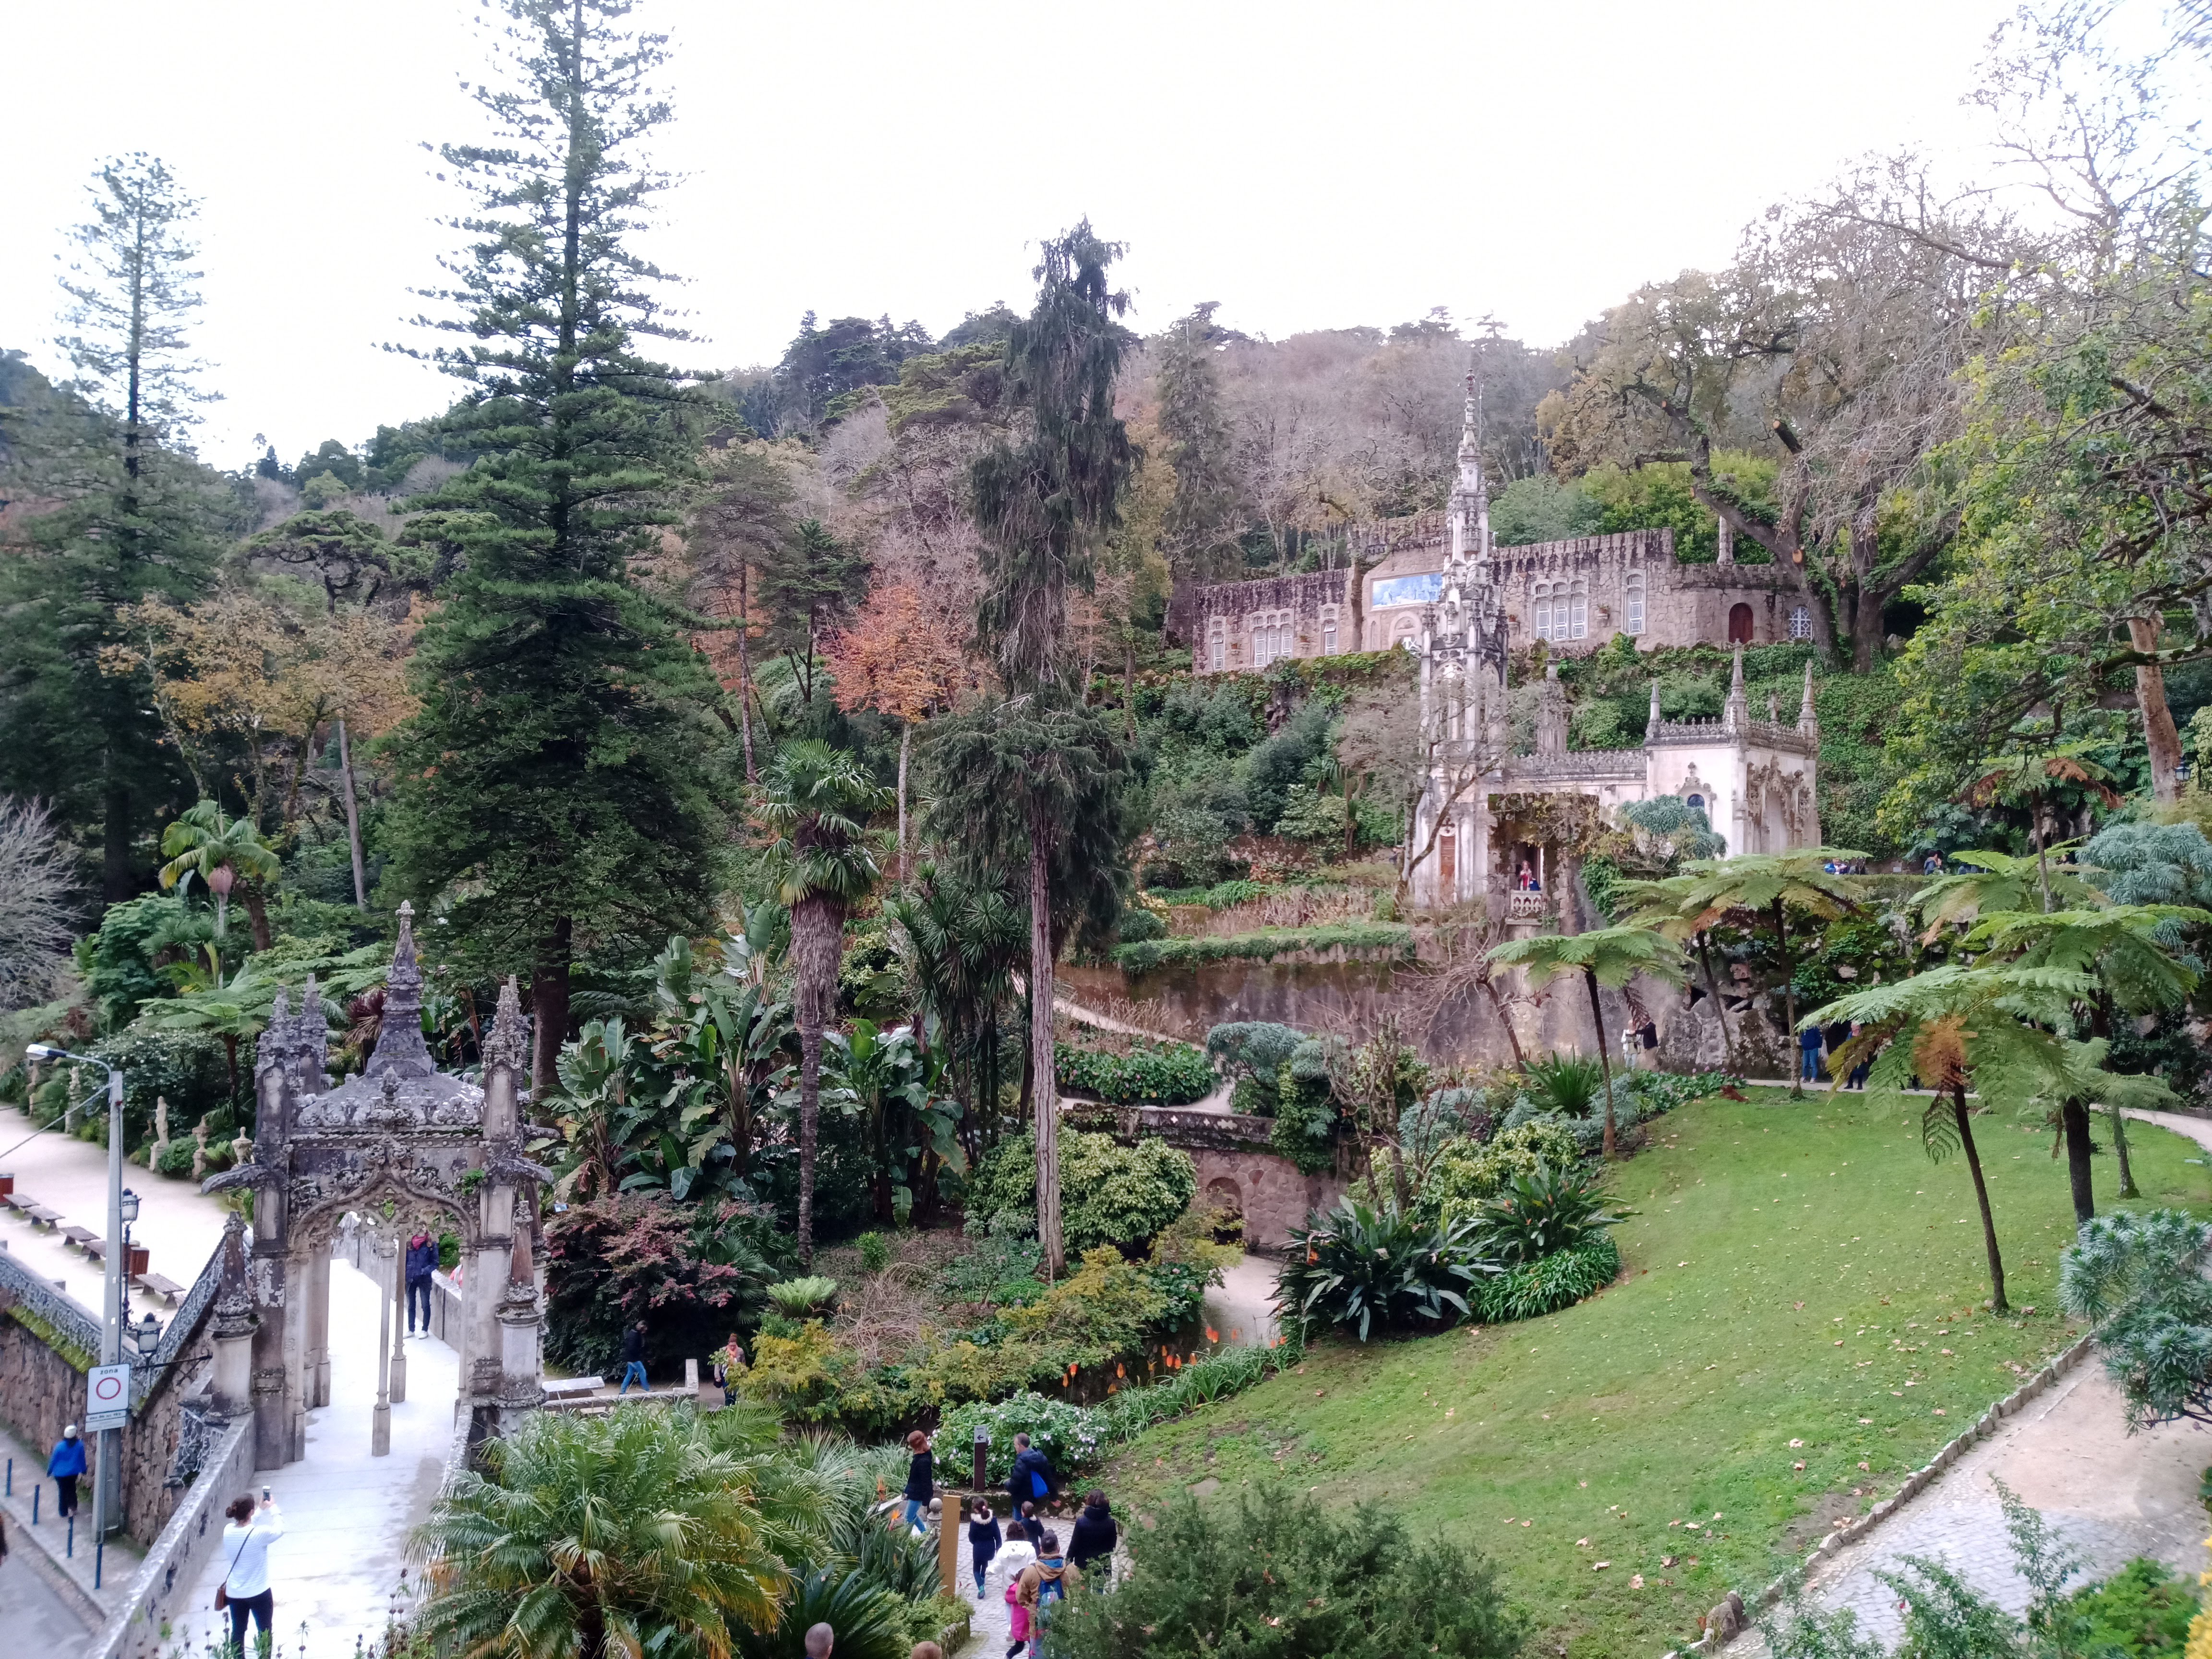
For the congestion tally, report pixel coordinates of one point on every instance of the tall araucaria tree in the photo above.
(1045, 501)
(130, 517)
(816, 804)
(560, 786)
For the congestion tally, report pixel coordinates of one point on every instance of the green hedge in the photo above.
(1264, 945)
(1544, 1286)
(1162, 1073)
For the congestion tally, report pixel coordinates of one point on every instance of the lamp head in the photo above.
(147, 1336)
(127, 1207)
(43, 1051)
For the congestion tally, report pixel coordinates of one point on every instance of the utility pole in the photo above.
(107, 1492)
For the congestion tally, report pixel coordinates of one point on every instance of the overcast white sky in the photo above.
(1306, 164)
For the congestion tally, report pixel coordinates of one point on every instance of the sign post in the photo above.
(107, 1398)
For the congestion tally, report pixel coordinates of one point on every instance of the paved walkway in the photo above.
(338, 1567)
(2111, 1495)
(38, 1619)
(177, 1226)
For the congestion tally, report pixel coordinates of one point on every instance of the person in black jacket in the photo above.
(632, 1357)
(1031, 1480)
(1095, 1535)
(983, 1541)
(421, 1262)
(920, 1479)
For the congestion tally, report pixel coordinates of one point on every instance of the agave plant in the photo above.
(797, 1297)
(1566, 1084)
(1358, 1266)
(1541, 1213)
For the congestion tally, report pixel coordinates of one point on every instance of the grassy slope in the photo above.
(1767, 1235)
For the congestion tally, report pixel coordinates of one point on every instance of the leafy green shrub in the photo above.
(1111, 1194)
(1356, 1266)
(990, 1266)
(875, 1251)
(1547, 1210)
(1566, 1084)
(1465, 1173)
(2142, 1276)
(1255, 1096)
(1559, 1280)
(189, 1069)
(1072, 1436)
(1305, 1126)
(1219, 896)
(1137, 924)
(1253, 1049)
(870, 1622)
(693, 1272)
(1278, 1576)
(1265, 945)
(1165, 1073)
(2142, 1611)
(794, 1298)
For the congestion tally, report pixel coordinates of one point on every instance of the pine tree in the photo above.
(134, 520)
(1043, 505)
(1201, 518)
(552, 795)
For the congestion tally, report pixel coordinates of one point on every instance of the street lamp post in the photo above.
(107, 1489)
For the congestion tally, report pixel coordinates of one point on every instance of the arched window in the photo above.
(1738, 624)
(1539, 623)
(1800, 624)
(1406, 632)
(1578, 613)
(1216, 651)
(1329, 639)
(1632, 602)
(1283, 640)
(1698, 801)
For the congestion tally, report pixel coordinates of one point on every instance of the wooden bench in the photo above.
(95, 1247)
(155, 1285)
(16, 1200)
(42, 1217)
(82, 1237)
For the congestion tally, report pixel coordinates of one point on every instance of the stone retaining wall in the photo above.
(172, 1566)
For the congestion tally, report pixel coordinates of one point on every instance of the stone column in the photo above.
(234, 1327)
(395, 1299)
(318, 1292)
(379, 1430)
(1727, 542)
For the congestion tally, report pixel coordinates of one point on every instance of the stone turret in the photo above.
(1735, 713)
(400, 1051)
(1652, 722)
(1807, 721)
(235, 1325)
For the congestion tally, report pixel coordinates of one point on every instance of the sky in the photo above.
(1307, 165)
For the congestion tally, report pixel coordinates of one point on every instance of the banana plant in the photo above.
(913, 1126)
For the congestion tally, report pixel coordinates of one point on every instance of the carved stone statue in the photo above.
(200, 1149)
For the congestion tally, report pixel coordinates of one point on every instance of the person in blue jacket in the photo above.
(421, 1262)
(67, 1463)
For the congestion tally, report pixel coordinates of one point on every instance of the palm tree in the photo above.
(963, 943)
(633, 1533)
(2018, 780)
(1606, 955)
(816, 804)
(2130, 950)
(220, 850)
(1769, 886)
(1956, 1024)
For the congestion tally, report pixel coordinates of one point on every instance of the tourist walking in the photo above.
(421, 1262)
(1013, 1560)
(983, 1541)
(729, 1361)
(1044, 1584)
(246, 1544)
(1094, 1536)
(67, 1463)
(1858, 1077)
(1031, 1480)
(920, 1479)
(633, 1358)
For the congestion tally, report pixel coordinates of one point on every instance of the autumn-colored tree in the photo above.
(900, 658)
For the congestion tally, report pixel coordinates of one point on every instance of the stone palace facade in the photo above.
(1439, 587)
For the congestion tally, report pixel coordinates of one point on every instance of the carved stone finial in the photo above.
(273, 1048)
(1735, 713)
(1807, 721)
(507, 1042)
(1651, 725)
(400, 1050)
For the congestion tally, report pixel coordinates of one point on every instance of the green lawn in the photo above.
(1797, 1273)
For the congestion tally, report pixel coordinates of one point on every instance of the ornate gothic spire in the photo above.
(311, 1042)
(1735, 714)
(1807, 721)
(400, 1051)
(275, 1045)
(1651, 725)
(507, 1042)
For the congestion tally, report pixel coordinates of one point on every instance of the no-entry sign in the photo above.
(108, 1394)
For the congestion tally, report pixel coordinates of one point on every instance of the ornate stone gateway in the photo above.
(401, 1144)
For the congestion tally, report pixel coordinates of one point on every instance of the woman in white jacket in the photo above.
(244, 1547)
